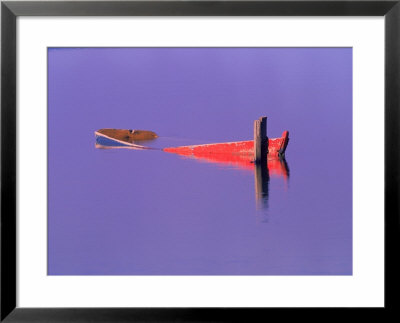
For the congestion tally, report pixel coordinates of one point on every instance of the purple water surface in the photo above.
(131, 212)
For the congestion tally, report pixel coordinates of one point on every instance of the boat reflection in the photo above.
(273, 166)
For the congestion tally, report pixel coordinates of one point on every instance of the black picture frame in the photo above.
(10, 10)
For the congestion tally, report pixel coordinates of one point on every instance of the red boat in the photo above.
(241, 152)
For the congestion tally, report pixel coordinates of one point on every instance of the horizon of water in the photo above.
(148, 212)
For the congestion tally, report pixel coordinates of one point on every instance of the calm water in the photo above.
(140, 212)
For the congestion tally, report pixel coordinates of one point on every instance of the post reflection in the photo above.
(275, 167)
(261, 181)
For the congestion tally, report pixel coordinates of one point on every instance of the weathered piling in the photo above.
(260, 140)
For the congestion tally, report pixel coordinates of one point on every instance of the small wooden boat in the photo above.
(123, 138)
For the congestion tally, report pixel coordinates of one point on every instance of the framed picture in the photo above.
(198, 160)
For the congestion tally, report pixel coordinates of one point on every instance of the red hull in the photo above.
(237, 152)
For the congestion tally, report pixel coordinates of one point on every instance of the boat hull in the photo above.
(127, 135)
(238, 151)
(105, 142)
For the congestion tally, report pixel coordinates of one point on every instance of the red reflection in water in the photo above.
(276, 166)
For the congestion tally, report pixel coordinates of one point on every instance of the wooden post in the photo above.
(260, 140)
(257, 141)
